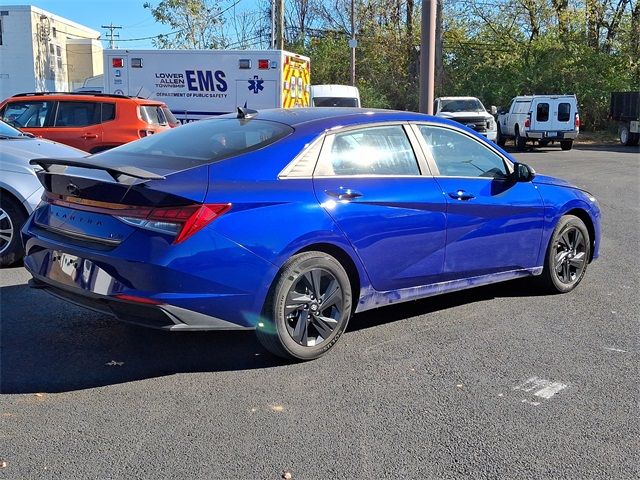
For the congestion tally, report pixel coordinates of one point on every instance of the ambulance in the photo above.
(197, 84)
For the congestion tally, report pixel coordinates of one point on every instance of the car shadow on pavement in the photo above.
(47, 345)
(514, 288)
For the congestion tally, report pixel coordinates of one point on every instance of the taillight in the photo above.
(577, 121)
(527, 122)
(181, 221)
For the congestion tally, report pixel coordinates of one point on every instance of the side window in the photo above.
(108, 111)
(542, 112)
(457, 155)
(369, 151)
(564, 112)
(77, 114)
(27, 114)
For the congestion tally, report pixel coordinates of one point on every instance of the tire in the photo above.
(294, 298)
(635, 139)
(12, 217)
(519, 141)
(543, 143)
(568, 252)
(566, 144)
(501, 139)
(625, 135)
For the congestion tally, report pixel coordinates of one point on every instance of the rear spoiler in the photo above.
(116, 172)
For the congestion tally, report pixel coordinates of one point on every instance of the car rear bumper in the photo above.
(164, 317)
(150, 282)
(545, 135)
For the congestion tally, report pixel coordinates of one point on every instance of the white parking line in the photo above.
(540, 388)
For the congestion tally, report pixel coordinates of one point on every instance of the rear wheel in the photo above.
(12, 217)
(567, 255)
(566, 144)
(308, 307)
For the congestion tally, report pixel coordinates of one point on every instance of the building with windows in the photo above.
(40, 51)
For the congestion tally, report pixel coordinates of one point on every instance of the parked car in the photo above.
(90, 122)
(625, 111)
(468, 111)
(334, 96)
(20, 189)
(540, 118)
(289, 221)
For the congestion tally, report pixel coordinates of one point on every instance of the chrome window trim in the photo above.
(430, 160)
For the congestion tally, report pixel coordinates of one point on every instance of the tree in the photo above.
(194, 23)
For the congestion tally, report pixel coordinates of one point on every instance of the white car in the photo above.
(20, 189)
(334, 96)
(540, 118)
(468, 111)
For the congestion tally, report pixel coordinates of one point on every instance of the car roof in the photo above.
(82, 96)
(327, 117)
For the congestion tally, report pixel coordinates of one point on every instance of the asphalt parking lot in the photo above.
(497, 382)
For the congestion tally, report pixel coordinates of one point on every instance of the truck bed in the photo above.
(625, 106)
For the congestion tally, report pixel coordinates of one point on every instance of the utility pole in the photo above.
(112, 36)
(277, 24)
(427, 55)
(353, 43)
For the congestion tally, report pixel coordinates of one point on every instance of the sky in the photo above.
(135, 20)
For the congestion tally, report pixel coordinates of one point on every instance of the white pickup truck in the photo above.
(468, 111)
(540, 118)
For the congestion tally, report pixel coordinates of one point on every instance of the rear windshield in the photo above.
(335, 102)
(153, 115)
(202, 142)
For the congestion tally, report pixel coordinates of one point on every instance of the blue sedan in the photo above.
(287, 222)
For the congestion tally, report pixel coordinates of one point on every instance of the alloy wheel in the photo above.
(313, 307)
(570, 257)
(6, 230)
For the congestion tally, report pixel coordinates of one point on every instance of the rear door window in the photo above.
(29, 114)
(108, 112)
(542, 112)
(370, 151)
(77, 114)
(564, 112)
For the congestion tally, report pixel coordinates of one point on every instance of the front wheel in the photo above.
(12, 217)
(500, 139)
(308, 307)
(567, 255)
(519, 141)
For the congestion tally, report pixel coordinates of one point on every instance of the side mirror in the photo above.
(522, 172)
(494, 110)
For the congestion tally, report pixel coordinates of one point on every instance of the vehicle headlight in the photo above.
(491, 124)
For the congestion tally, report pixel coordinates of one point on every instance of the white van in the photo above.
(334, 96)
(540, 118)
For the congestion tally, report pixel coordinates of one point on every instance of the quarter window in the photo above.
(542, 112)
(27, 114)
(457, 155)
(77, 114)
(369, 151)
(564, 112)
(108, 111)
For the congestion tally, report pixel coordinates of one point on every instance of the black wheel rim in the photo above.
(570, 257)
(314, 307)
(6, 230)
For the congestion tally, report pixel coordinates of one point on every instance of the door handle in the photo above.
(88, 136)
(343, 194)
(461, 195)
